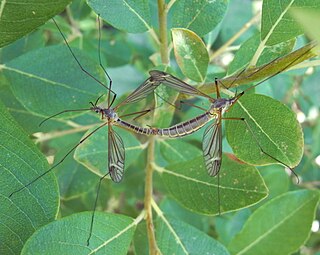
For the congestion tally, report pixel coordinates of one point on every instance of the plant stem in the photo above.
(153, 248)
(236, 36)
(162, 12)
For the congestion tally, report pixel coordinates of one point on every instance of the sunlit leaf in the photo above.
(191, 54)
(274, 127)
(248, 48)
(277, 24)
(188, 182)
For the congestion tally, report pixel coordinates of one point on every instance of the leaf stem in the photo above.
(49, 136)
(153, 248)
(236, 36)
(162, 12)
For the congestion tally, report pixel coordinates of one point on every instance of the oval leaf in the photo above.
(277, 24)
(197, 15)
(191, 54)
(176, 237)
(35, 205)
(283, 232)
(273, 126)
(188, 182)
(54, 82)
(131, 16)
(111, 234)
(28, 15)
(93, 153)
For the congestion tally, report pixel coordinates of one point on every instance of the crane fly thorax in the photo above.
(106, 113)
(110, 114)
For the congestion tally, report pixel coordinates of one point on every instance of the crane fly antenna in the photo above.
(54, 115)
(102, 66)
(55, 165)
(78, 62)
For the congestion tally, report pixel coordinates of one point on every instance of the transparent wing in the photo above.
(142, 91)
(116, 155)
(212, 148)
(175, 83)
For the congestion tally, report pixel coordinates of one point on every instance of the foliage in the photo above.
(262, 209)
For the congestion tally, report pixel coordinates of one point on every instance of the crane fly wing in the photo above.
(212, 148)
(148, 86)
(116, 155)
(177, 84)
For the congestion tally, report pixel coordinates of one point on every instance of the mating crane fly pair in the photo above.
(212, 139)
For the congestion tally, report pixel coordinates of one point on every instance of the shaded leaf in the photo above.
(35, 205)
(54, 82)
(197, 15)
(128, 15)
(112, 234)
(176, 237)
(267, 232)
(21, 17)
(93, 153)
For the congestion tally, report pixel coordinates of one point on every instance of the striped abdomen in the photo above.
(136, 129)
(186, 127)
(178, 130)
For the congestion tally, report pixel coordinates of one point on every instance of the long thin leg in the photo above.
(141, 113)
(78, 62)
(94, 207)
(260, 147)
(49, 170)
(52, 116)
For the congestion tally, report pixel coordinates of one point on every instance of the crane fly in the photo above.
(212, 137)
(116, 148)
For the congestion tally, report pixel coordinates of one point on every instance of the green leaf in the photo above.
(283, 232)
(197, 15)
(20, 18)
(74, 179)
(249, 47)
(276, 179)
(274, 126)
(54, 82)
(140, 240)
(112, 234)
(171, 208)
(188, 182)
(270, 69)
(228, 225)
(191, 54)
(277, 24)
(128, 15)
(35, 205)
(175, 151)
(93, 153)
(307, 18)
(176, 237)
